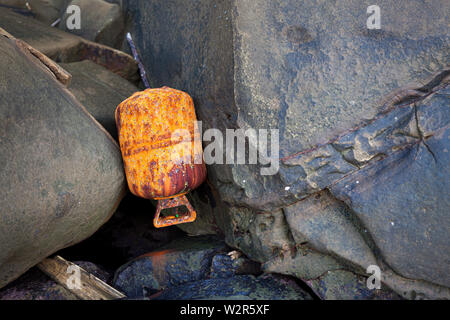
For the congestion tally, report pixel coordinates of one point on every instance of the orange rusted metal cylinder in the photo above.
(161, 149)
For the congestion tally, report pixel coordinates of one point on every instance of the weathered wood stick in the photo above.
(77, 280)
(61, 75)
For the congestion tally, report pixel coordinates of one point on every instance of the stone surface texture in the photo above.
(363, 125)
(62, 174)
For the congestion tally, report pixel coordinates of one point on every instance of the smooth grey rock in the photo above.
(61, 172)
(100, 21)
(344, 285)
(272, 80)
(303, 263)
(50, 41)
(329, 227)
(99, 90)
(46, 11)
(64, 47)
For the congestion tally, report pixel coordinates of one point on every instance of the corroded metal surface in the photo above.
(160, 143)
(177, 218)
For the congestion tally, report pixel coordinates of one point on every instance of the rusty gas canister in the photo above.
(161, 149)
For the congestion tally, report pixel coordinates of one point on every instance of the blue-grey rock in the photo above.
(179, 262)
(244, 287)
(224, 266)
(403, 200)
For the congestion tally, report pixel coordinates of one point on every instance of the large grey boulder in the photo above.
(61, 172)
(362, 119)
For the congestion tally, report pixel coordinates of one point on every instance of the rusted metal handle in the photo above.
(177, 201)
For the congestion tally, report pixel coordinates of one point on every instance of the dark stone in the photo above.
(400, 199)
(303, 263)
(326, 224)
(344, 285)
(244, 287)
(35, 285)
(46, 11)
(350, 104)
(65, 47)
(181, 261)
(54, 43)
(224, 266)
(101, 22)
(99, 90)
(61, 172)
(210, 211)
(191, 52)
(329, 277)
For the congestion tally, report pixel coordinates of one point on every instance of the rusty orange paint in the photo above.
(161, 148)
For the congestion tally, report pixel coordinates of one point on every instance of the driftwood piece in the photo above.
(77, 280)
(62, 75)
